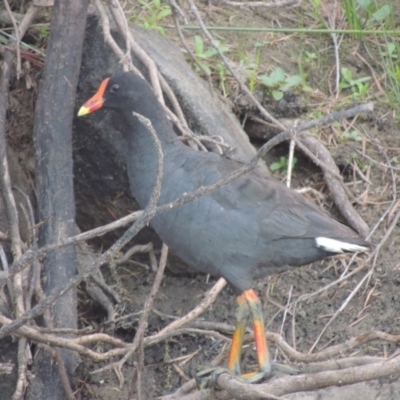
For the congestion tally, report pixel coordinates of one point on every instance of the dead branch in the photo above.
(140, 248)
(314, 381)
(235, 389)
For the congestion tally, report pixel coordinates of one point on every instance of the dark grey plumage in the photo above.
(250, 228)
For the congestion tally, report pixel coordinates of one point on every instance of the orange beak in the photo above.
(95, 102)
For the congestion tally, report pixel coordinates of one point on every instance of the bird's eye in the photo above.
(114, 88)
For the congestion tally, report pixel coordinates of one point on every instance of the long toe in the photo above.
(287, 369)
(267, 372)
(207, 378)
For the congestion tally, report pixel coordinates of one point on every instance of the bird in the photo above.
(252, 227)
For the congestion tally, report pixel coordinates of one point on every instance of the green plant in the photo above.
(372, 13)
(392, 51)
(375, 12)
(221, 70)
(155, 12)
(278, 82)
(353, 134)
(359, 87)
(253, 66)
(397, 73)
(389, 51)
(393, 71)
(204, 56)
(44, 32)
(352, 15)
(41, 34)
(282, 164)
(310, 57)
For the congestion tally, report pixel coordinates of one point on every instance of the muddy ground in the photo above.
(374, 307)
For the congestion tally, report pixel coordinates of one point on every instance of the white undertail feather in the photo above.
(336, 246)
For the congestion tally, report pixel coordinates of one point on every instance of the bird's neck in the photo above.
(143, 156)
(141, 135)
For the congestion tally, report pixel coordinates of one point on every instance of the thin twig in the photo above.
(195, 313)
(143, 322)
(17, 37)
(341, 308)
(120, 20)
(285, 315)
(125, 60)
(336, 39)
(290, 163)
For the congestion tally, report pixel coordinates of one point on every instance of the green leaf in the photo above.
(209, 53)
(275, 166)
(294, 80)
(198, 45)
(361, 80)
(278, 75)
(354, 134)
(164, 13)
(307, 89)
(277, 95)
(346, 73)
(310, 56)
(381, 14)
(267, 81)
(397, 73)
(364, 3)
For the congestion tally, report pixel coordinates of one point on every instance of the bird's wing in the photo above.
(280, 211)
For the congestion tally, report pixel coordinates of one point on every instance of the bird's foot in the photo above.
(207, 378)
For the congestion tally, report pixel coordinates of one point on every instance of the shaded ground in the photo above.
(374, 307)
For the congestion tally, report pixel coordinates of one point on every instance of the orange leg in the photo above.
(249, 305)
(264, 362)
(242, 317)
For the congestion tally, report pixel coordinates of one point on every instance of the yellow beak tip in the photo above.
(83, 111)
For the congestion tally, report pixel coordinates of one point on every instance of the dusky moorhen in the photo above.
(252, 227)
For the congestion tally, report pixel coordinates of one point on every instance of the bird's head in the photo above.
(121, 91)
